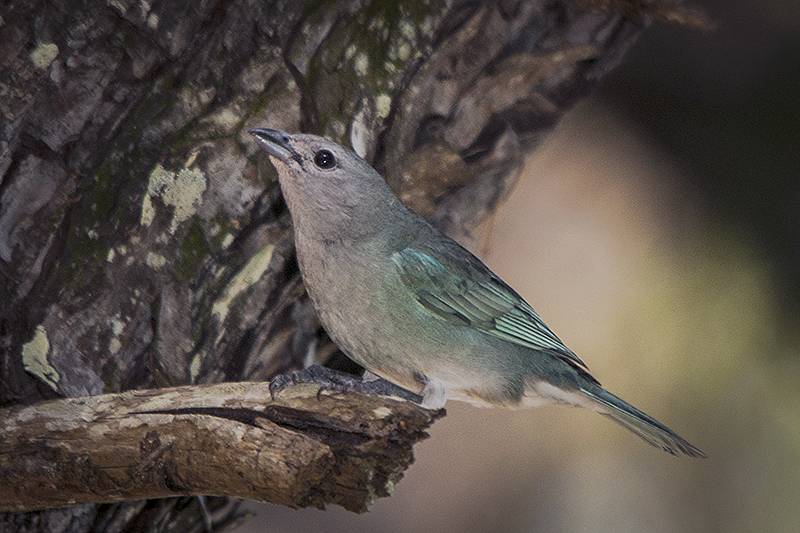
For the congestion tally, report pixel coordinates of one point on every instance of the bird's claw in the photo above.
(335, 381)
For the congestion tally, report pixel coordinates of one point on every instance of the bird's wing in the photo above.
(457, 287)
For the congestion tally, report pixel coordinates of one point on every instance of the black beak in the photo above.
(276, 143)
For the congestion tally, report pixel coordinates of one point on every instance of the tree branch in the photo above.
(300, 450)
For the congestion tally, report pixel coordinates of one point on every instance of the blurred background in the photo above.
(657, 232)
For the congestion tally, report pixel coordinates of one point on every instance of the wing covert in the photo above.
(464, 292)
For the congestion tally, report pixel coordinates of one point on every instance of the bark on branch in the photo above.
(299, 450)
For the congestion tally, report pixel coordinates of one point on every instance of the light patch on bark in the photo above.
(44, 54)
(183, 191)
(34, 358)
(250, 274)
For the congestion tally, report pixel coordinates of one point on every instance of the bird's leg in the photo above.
(333, 380)
(434, 395)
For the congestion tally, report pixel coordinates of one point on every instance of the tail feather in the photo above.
(639, 423)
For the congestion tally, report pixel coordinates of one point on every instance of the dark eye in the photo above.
(324, 160)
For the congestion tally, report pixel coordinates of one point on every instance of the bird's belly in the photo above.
(382, 327)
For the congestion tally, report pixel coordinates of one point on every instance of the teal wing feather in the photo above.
(459, 288)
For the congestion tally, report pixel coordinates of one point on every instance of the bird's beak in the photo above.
(275, 143)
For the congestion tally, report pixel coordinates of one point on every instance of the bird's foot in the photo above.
(333, 380)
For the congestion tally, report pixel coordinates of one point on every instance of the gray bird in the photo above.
(415, 308)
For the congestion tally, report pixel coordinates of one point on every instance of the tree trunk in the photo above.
(143, 238)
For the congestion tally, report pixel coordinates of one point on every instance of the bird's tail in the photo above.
(636, 421)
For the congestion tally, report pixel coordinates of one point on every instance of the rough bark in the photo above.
(299, 450)
(143, 238)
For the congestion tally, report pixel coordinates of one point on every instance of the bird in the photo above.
(415, 308)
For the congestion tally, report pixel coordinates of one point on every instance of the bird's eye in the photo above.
(324, 160)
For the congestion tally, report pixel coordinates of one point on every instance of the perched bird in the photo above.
(413, 307)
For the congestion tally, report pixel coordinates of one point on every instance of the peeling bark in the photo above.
(299, 450)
